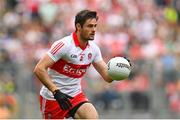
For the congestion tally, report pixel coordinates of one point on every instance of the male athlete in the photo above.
(62, 68)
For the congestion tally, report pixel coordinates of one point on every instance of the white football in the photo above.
(119, 68)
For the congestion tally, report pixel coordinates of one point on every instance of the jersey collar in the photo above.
(77, 43)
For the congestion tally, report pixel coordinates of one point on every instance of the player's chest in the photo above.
(79, 56)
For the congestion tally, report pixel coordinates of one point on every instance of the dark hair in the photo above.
(83, 15)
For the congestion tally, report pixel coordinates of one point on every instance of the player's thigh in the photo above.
(86, 111)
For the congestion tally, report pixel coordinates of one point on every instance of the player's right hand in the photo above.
(62, 99)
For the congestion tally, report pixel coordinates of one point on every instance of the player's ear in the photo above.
(78, 26)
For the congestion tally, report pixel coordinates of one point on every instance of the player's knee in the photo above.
(87, 115)
(87, 111)
(94, 116)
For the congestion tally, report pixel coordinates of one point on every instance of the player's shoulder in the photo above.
(66, 40)
(93, 44)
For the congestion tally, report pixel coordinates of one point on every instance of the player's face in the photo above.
(88, 29)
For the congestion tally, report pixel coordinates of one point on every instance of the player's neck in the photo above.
(82, 41)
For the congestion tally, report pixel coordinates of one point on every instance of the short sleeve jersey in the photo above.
(71, 62)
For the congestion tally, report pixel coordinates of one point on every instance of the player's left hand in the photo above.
(128, 61)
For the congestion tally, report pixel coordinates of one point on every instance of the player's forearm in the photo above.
(103, 72)
(102, 68)
(44, 78)
(106, 77)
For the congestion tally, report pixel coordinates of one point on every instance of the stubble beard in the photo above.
(86, 39)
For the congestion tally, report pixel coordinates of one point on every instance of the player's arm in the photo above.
(102, 68)
(41, 72)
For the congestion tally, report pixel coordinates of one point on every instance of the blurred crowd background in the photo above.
(146, 31)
